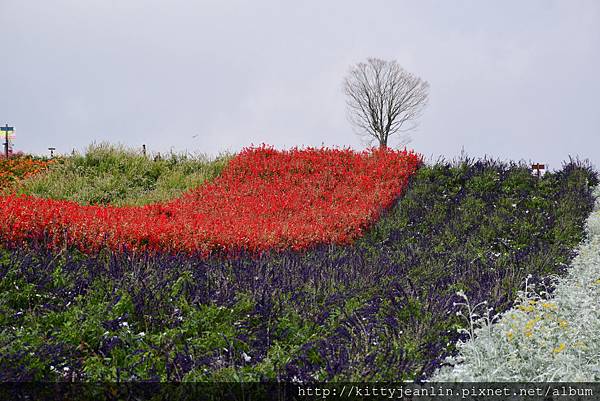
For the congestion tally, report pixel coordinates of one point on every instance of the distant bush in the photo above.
(109, 174)
(12, 155)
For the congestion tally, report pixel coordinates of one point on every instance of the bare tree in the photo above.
(384, 99)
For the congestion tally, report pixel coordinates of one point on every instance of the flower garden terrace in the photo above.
(263, 200)
(380, 308)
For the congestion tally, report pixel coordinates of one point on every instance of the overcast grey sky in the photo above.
(511, 79)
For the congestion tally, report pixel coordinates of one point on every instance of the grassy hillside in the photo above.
(108, 174)
(380, 309)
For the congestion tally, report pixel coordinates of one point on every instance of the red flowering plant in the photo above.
(264, 200)
(19, 167)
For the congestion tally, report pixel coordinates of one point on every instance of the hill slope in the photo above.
(264, 199)
(379, 309)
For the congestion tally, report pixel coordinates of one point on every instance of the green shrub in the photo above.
(108, 174)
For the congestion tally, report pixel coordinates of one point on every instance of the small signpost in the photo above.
(9, 133)
(538, 167)
(51, 152)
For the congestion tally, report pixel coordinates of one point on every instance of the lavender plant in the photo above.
(544, 337)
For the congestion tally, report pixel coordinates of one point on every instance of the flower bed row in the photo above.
(542, 338)
(264, 199)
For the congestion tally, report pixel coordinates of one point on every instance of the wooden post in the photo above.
(144, 150)
(538, 167)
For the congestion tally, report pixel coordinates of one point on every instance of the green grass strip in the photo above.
(109, 174)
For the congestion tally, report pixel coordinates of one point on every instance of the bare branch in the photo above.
(383, 99)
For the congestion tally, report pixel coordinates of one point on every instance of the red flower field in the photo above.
(264, 199)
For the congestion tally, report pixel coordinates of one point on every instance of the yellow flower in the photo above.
(526, 308)
(563, 323)
(509, 335)
(530, 325)
(549, 305)
(559, 348)
(597, 282)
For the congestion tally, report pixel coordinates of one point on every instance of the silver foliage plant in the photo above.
(542, 338)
